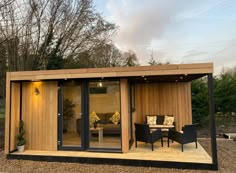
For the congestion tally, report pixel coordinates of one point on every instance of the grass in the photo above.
(2, 112)
(2, 115)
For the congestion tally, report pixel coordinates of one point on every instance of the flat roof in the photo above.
(163, 72)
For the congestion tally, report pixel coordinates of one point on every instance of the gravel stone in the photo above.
(226, 158)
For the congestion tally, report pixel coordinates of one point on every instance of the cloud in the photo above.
(225, 57)
(200, 12)
(194, 53)
(165, 26)
(140, 24)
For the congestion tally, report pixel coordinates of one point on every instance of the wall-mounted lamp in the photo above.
(100, 84)
(36, 91)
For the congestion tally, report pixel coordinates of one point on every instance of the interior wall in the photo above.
(108, 102)
(39, 113)
(164, 99)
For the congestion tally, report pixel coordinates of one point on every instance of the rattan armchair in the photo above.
(143, 134)
(187, 135)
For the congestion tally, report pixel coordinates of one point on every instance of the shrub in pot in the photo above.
(68, 113)
(21, 140)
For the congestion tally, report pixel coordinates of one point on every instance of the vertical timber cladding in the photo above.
(7, 115)
(39, 112)
(15, 114)
(124, 88)
(164, 99)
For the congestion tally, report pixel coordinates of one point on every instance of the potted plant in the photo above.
(68, 113)
(21, 139)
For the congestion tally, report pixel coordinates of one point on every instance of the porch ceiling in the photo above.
(166, 78)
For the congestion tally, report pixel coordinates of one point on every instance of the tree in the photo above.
(130, 58)
(104, 55)
(225, 91)
(3, 69)
(200, 101)
(55, 60)
(37, 30)
(152, 61)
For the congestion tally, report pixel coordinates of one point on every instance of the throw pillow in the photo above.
(115, 119)
(168, 120)
(92, 118)
(151, 120)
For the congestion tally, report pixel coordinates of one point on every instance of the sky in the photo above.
(175, 31)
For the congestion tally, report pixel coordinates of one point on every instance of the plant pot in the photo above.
(21, 148)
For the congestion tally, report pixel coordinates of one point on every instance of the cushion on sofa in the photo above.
(115, 118)
(93, 117)
(169, 120)
(159, 119)
(151, 120)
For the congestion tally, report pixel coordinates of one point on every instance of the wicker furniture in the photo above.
(143, 134)
(187, 135)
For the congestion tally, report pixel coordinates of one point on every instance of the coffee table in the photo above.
(100, 132)
(164, 128)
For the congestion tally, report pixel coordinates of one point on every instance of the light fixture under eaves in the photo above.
(36, 91)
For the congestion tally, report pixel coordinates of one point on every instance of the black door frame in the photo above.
(85, 137)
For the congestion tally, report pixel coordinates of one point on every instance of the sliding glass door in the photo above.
(89, 116)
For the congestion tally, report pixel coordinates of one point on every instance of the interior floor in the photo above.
(109, 141)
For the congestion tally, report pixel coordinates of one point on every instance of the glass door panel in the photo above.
(71, 115)
(104, 115)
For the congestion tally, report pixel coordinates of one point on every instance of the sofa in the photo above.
(160, 123)
(160, 119)
(109, 128)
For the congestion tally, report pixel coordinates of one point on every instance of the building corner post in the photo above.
(212, 121)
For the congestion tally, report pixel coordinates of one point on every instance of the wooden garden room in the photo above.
(89, 114)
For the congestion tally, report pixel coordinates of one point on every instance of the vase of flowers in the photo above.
(95, 124)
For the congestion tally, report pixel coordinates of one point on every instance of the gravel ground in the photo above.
(226, 158)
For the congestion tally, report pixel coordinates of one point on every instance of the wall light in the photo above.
(100, 84)
(36, 91)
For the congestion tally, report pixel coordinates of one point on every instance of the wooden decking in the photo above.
(143, 152)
